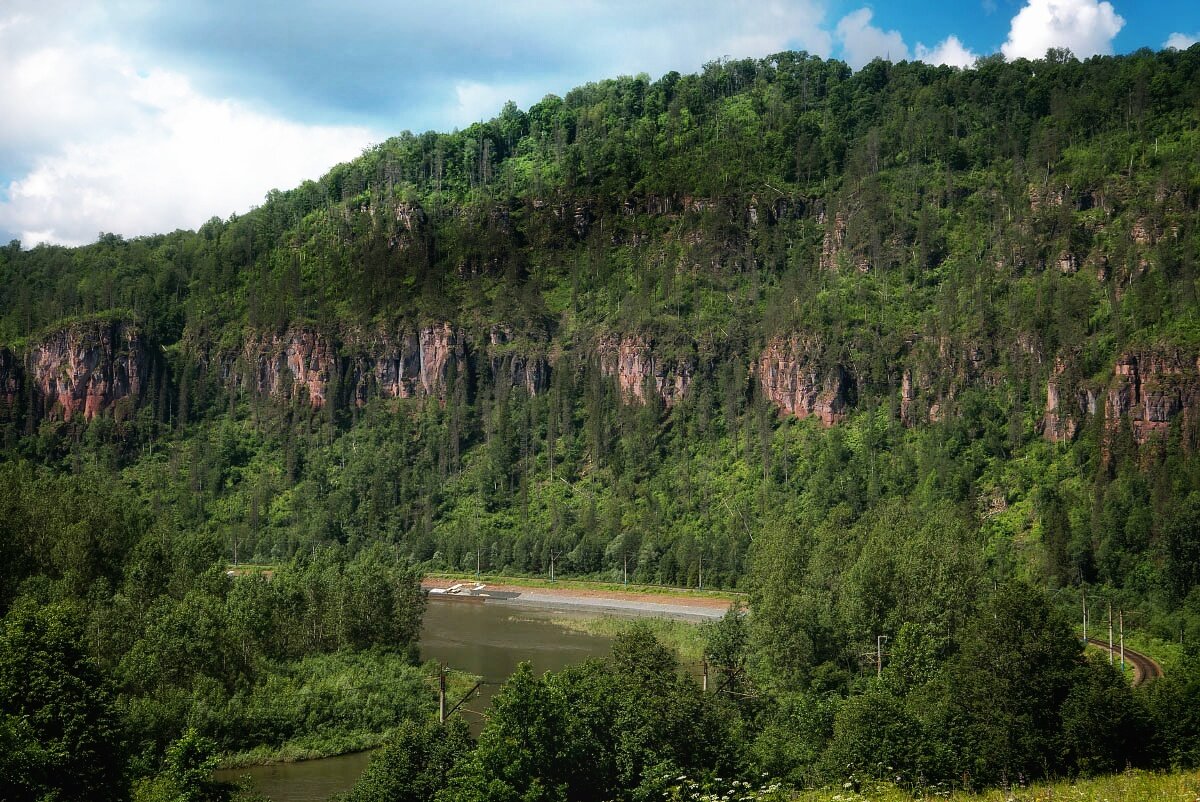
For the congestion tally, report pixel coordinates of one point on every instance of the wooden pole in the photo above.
(1110, 635)
(1085, 616)
(1121, 619)
(441, 694)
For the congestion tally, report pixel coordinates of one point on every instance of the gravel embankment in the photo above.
(661, 605)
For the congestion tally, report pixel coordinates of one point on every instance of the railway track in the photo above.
(1144, 667)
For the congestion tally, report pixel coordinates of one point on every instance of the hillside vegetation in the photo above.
(911, 352)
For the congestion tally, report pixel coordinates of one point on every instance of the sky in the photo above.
(143, 116)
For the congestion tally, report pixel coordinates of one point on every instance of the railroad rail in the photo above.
(1144, 667)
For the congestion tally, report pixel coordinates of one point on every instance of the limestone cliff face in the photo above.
(1067, 404)
(1150, 387)
(299, 361)
(304, 362)
(514, 367)
(86, 369)
(791, 377)
(636, 365)
(405, 364)
(10, 378)
(937, 370)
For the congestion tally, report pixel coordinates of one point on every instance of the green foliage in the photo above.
(414, 763)
(934, 244)
(1021, 651)
(620, 728)
(186, 775)
(62, 732)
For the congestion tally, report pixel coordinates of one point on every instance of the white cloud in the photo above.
(862, 41)
(1181, 41)
(113, 147)
(634, 36)
(949, 51)
(1086, 27)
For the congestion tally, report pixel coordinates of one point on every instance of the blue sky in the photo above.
(135, 116)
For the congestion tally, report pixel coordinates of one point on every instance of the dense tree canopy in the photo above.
(964, 283)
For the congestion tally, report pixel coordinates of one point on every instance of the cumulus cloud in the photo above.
(109, 146)
(408, 61)
(1181, 41)
(133, 116)
(949, 51)
(862, 41)
(1086, 27)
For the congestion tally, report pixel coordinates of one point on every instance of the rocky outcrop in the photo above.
(413, 364)
(908, 397)
(513, 367)
(283, 366)
(10, 378)
(792, 377)
(1045, 197)
(835, 241)
(303, 362)
(636, 365)
(1150, 388)
(87, 369)
(1067, 404)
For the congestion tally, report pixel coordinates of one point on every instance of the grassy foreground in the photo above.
(1132, 786)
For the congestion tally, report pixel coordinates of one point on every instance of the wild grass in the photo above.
(685, 637)
(1131, 786)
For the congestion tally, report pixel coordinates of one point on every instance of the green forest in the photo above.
(909, 352)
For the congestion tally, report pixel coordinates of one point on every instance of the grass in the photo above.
(326, 705)
(685, 637)
(1132, 786)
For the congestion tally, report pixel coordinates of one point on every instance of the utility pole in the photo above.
(701, 572)
(441, 694)
(476, 563)
(1110, 635)
(1121, 618)
(625, 559)
(879, 639)
(1085, 616)
(553, 556)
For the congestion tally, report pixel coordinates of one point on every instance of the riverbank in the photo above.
(678, 604)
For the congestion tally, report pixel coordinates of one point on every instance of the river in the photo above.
(489, 640)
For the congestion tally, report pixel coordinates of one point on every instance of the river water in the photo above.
(489, 640)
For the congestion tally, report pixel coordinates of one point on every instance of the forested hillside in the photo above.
(866, 344)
